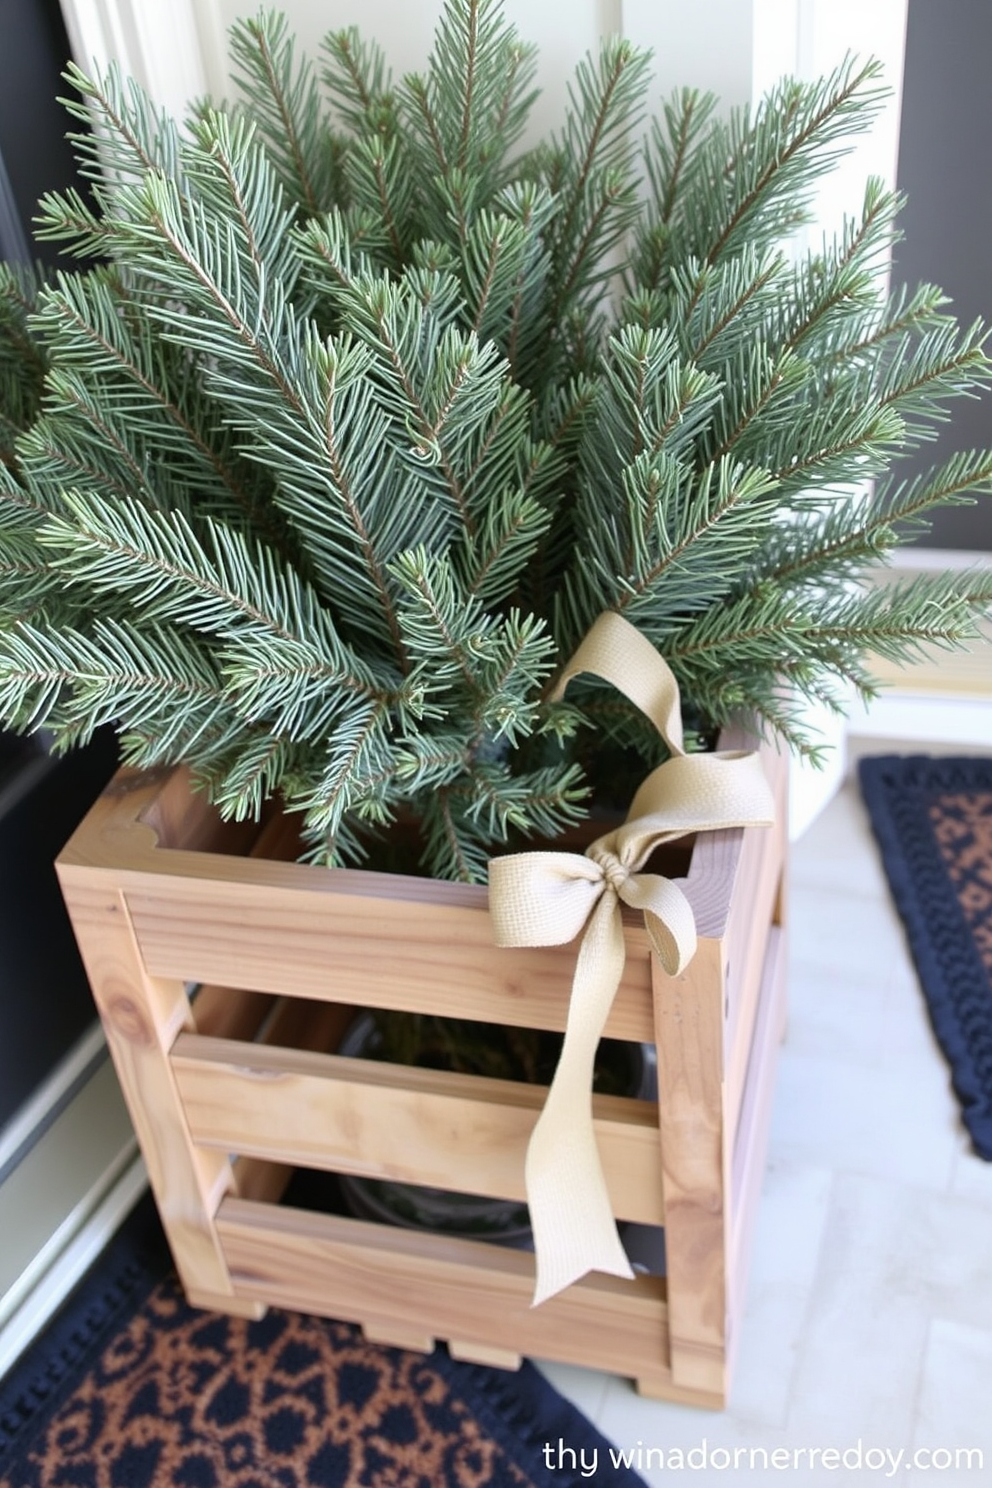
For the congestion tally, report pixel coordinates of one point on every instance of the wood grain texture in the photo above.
(751, 1141)
(141, 1017)
(394, 1335)
(452, 1131)
(348, 1269)
(757, 903)
(230, 1012)
(689, 1017)
(482, 1353)
(419, 954)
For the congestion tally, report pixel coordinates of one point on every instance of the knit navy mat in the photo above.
(933, 821)
(131, 1388)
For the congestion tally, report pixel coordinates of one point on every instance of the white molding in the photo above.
(940, 560)
(158, 45)
(60, 1204)
(904, 719)
(71, 1251)
(35, 1111)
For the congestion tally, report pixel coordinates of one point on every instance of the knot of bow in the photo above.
(548, 898)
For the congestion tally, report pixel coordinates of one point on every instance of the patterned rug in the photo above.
(933, 821)
(131, 1388)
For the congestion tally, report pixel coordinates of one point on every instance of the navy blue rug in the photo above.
(131, 1388)
(933, 821)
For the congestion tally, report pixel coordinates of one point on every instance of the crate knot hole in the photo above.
(129, 1020)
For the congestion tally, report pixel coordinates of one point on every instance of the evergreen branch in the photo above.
(76, 682)
(358, 80)
(238, 593)
(427, 761)
(339, 475)
(285, 105)
(749, 275)
(83, 319)
(685, 115)
(905, 313)
(604, 107)
(840, 279)
(357, 749)
(454, 844)
(724, 513)
(497, 558)
(416, 92)
(51, 457)
(808, 118)
(130, 138)
(64, 217)
(945, 362)
(767, 381)
(68, 395)
(468, 81)
(264, 764)
(853, 536)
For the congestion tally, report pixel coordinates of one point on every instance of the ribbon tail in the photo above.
(570, 1210)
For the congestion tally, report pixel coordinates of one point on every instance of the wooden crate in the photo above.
(232, 1086)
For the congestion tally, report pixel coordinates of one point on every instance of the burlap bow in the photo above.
(545, 898)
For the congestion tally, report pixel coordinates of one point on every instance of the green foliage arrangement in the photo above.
(350, 421)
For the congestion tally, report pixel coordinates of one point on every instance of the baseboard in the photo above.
(35, 1116)
(74, 1259)
(60, 1204)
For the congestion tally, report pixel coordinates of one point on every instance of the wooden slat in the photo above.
(257, 1178)
(751, 1146)
(481, 1353)
(695, 1165)
(446, 1130)
(408, 953)
(757, 897)
(229, 1012)
(448, 1288)
(141, 1016)
(393, 1335)
(318, 1027)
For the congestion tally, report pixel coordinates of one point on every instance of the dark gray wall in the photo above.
(945, 167)
(35, 154)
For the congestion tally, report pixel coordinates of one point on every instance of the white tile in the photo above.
(838, 850)
(971, 1177)
(846, 934)
(893, 1122)
(907, 1033)
(956, 1389)
(894, 1256)
(585, 1388)
(631, 1423)
(834, 1015)
(788, 1236)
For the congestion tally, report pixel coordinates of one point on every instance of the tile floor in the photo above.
(870, 1296)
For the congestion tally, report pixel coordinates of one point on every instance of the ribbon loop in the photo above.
(548, 898)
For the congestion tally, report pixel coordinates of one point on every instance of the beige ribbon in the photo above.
(546, 898)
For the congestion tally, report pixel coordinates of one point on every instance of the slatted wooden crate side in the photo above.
(463, 1290)
(273, 928)
(447, 1130)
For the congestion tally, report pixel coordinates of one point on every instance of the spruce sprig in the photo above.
(361, 417)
